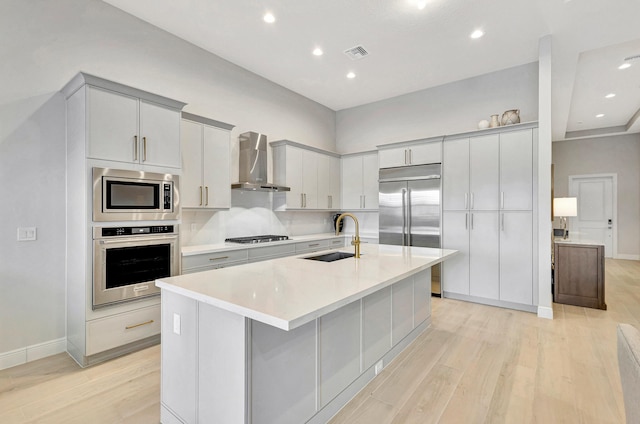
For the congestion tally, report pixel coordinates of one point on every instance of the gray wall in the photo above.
(49, 42)
(448, 109)
(606, 155)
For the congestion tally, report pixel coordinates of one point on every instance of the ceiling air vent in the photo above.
(357, 52)
(629, 58)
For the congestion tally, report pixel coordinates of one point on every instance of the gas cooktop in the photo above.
(256, 239)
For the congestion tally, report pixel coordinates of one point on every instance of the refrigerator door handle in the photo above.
(409, 217)
(404, 217)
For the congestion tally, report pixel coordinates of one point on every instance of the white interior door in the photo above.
(596, 210)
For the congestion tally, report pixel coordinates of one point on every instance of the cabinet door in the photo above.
(484, 160)
(191, 190)
(293, 165)
(484, 255)
(335, 181)
(455, 235)
(389, 158)
(516, 257)
(351, 182)
(455, 175)
(216, 168)
(370, 173)
(420, 154)
(112, 125)
(160, 132)
(310, 179)
(324, 182)
(516, 170)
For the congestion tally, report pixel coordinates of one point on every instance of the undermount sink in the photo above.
(330, 257)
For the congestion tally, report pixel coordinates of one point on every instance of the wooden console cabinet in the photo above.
(579, 274)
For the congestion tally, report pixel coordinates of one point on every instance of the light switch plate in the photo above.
(176, 323)
(26, 233)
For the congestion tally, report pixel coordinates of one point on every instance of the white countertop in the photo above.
(211, 248)
(289, 292)
(569, 241)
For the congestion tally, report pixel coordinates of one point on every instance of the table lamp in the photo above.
(564, 207)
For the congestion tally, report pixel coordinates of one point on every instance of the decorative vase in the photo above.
(483, 124)
(494, 121)
(511, 117)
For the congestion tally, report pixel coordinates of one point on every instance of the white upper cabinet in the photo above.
(484, 172)
(360, 181)
(516, 170)
(206, 181)
(309, 173)
(125, 128)
(411, 154)
(455, 175)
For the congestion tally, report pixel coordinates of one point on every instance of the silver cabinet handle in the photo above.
(406, 161)
(466, 221)
(207, 196)
(471, 205)
(305, 200)
(502, 222)
(314, 245)
(364, 201)
(502, 200)
(135, 147)
(472, 221)
(410, 157)
(466, 200)
(144, 149)
(330, 201)
(200, 195)
(301, 200)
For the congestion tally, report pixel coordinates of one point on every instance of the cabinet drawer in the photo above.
(337, 242)
(312, 246)
(259, 253)
(118, 330)
(211, 259)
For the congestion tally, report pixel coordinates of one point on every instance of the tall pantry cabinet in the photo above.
(488, 187)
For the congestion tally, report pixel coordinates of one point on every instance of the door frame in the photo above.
(614, 197)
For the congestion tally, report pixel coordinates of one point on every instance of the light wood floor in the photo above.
(475, 364)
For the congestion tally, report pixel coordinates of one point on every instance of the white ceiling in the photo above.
(412, 49)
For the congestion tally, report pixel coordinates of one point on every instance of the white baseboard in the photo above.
(545, 312)
(32, 353)
(628, 257)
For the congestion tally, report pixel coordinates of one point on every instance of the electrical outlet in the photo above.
(379, 367)
(176, 323)
(26, 233)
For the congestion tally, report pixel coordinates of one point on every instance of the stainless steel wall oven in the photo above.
(127, 260)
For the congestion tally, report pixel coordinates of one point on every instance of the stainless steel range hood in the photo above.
(253, 164)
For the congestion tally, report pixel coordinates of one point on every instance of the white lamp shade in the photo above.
(565, 206)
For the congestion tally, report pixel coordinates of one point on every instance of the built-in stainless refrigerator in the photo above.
(409, 205)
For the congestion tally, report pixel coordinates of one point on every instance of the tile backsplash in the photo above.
(251, 214)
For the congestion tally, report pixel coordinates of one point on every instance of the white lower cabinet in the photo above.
(117, 330)
(484, 255)
(516, 257)
(455, 235)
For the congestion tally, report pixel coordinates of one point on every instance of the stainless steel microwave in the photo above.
(123, 195)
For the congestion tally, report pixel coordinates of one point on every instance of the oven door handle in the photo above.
(137, 240)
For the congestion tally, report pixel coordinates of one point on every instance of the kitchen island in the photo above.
(288, 340)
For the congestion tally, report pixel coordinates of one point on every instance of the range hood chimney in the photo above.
(253, 164)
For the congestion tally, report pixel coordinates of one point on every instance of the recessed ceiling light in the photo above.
(318, 51)
(351, 75)
(421, 4)
(269, 18)
(610, 95)
(600, 115)
(624, 66)
(477, 34)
